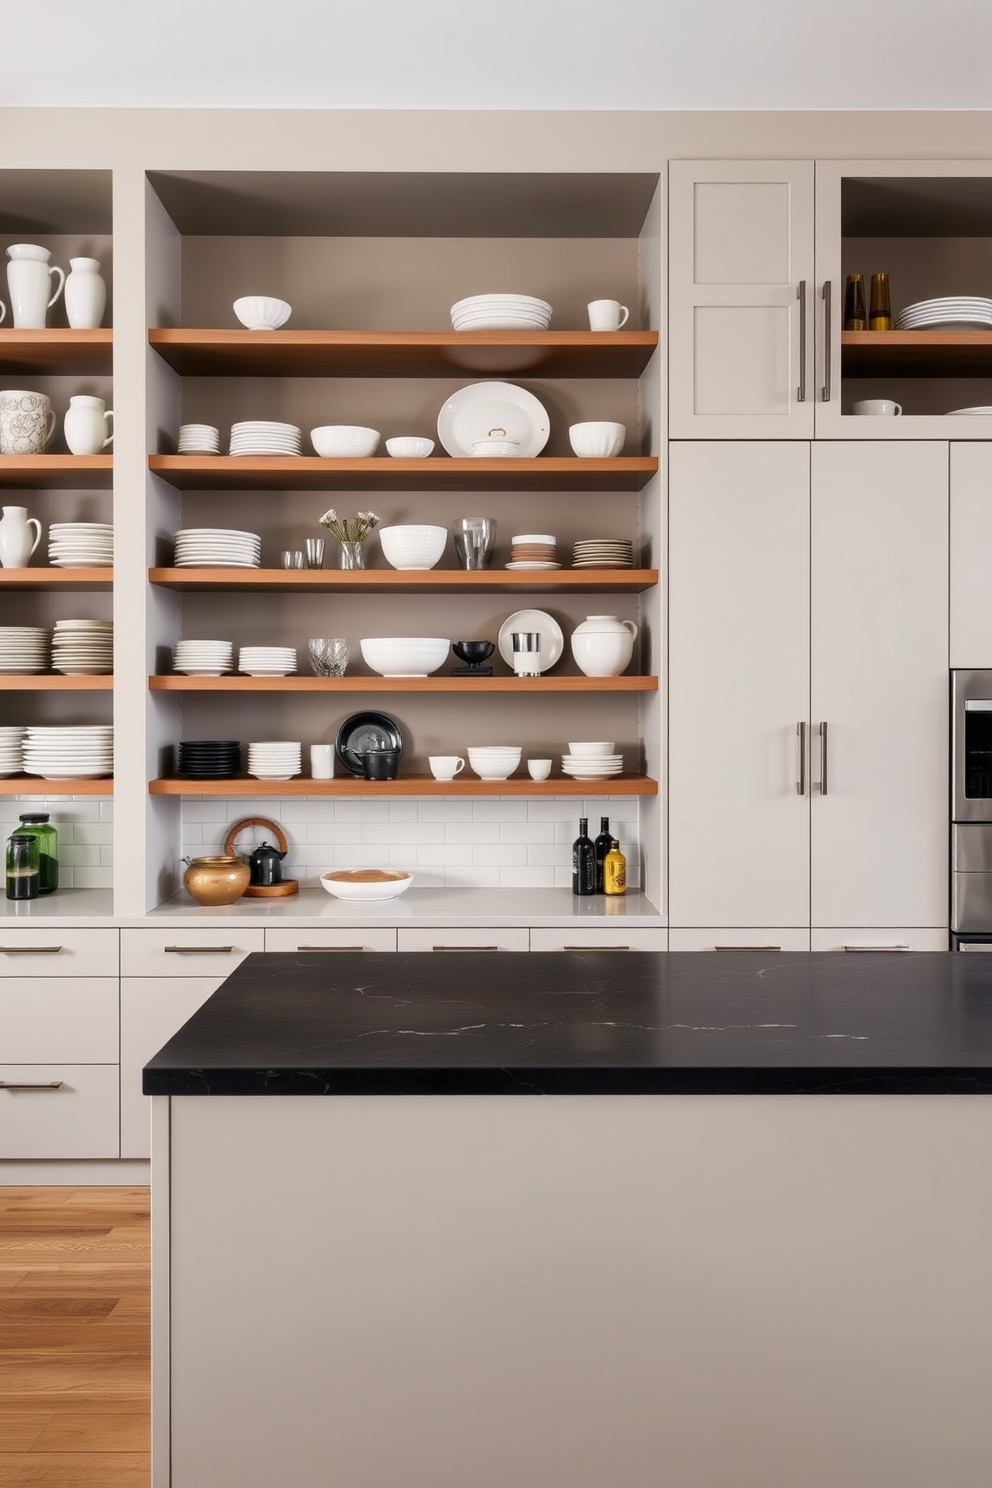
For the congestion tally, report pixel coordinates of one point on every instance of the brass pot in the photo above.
(214, 881)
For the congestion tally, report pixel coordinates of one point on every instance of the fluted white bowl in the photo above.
(262, 312)
(409, 447)
(597, 440)
(404, 656)
(344, 441)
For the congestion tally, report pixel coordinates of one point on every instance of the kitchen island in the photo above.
(745, 1241)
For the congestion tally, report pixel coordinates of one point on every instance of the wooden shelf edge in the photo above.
(55, 682)
(329, 686)
(49, 578)
(34, 785)
(409, 785)
(237, 337)
(384, 580)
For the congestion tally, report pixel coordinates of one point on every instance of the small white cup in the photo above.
(322, 761)
(607, 315)
(539, 769)
(445, 766)
(879, 406)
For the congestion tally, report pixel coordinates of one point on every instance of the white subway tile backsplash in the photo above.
(403, 811)
(499, 855)
(362, 810)
(90, 834)
(527, 878)
(500, 809)
(471, 878)
(473, 832)
(526, 832)
(448, 856)
(205, 809)
(447, 809)
(544, 855)
(87, 878)
(79, 857)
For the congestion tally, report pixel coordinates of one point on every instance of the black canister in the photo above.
(22, 866)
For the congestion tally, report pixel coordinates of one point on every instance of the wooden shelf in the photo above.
(56, 578)
(58, 472)
(238, 353)
(55, 351)
(53, 682)
(406, 785)
(307, 473)
(389, 581)
(916, 353)
(477, 686)
(35, 785)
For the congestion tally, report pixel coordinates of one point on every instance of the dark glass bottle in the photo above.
(37, 825)
(602, 847)
(880, 305)
(22, 866)
(855, 315)
(583, 861)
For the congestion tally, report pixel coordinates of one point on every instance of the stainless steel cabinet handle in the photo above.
(823, 759)
(827, 333)
(330, 948)
(801, 391)
(30, 950)
(597, 948)
(801, 782)
(859, 949)
(464, 948)
(17, 1085)
(747, 948)
(198, 950)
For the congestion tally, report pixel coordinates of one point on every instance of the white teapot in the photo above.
(603, 645)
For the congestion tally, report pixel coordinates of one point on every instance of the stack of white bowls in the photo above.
(411, 546)
(267, 661)
(12, 749)
(494, 761)
(81, 544)
(501, 312)
(404, 656)
(24, 648)
(217, 547)
(76, 753)
(274, 760)
(199, 439)
(83, 648)
(591, 761)
(204, 658)
(264, 437)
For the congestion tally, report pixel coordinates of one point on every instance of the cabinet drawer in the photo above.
(178, 953)
(152, 1010)
(604, 938)
(72, 1113)
(339, 939)
(738, 940)
(878, 940)
(27, 952)
(65, 1019)
(462, 940)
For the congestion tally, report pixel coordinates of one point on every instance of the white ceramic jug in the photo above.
(86, 425)
(603, 645)
(85, 294)
(29, 279)
(16, 531)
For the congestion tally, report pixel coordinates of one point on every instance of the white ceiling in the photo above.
(498, 54)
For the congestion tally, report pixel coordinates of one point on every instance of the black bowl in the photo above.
(473, 653)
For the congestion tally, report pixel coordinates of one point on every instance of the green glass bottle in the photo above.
(38, 825)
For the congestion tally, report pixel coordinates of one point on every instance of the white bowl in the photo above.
(412, 547)
(262, 312)
(590, 751)
(494, 762)
(404, 656)
(344, 441)
(598, 440)
(360, 890)
(409, 447)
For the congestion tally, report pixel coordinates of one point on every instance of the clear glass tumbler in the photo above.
(475, 539)
(329, 658)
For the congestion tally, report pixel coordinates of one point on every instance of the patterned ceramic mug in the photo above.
(26, 422)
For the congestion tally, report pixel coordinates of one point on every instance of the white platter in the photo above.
(472, 412)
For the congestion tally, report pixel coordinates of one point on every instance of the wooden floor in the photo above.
(74, 1338)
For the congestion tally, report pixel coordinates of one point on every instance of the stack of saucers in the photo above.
(203, 658)
(603, 552)
(208, 759)
(267, 661)
(83, 648)
(534, 550)
(274, 761)
(81, 544)
(257, 437)
(217, 547)
(24, 648)
(501, 312)
(12, 749)
(592, 761)
(199, 439)
(77, 753)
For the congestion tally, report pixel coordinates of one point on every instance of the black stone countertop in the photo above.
(588, 1023)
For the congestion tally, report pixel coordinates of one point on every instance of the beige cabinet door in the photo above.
(152, 1010)
(879, 637)
(971, 544)
(741, 299)
(738, 684)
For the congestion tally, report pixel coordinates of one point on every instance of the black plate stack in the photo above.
(208, 759)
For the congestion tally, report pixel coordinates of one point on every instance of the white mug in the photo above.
(607, 315)
(445, 766)
(879, 405)
(322, 761)
(88, 425)
(539, 769)
(27, 422)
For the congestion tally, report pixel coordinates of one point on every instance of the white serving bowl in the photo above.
(404, 656)
(262, 312)
(412, 546)
(598, 440)
(360, 890)
(494, 762)
(409, 447)
(344, 441)
(590, 751)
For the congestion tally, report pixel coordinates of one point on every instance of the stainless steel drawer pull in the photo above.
(17, 1085)
(31, 950)
(858, 949)
(597, 948)
(330, 948)
(801, 782)
(801, 391)
(198, 950)
(827, 333)
(464, 948)
(747, 948)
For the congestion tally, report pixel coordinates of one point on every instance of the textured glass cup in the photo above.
(329, 658)
(475, 538)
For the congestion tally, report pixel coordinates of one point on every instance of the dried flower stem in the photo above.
(349, 529)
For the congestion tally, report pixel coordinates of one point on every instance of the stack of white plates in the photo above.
(199, 439)
(203, 658)
(267, 661)
(258, 437)
(951, 313)
(501, 312)
(83, 648)
(217, 547)
(983, 410)
(603, 552)
(81, 544)
(24, 648)
(12, 749)
(79, 753)
(591, 767)
(274, 761)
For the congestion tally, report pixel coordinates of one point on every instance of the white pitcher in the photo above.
(603, 645)
(29, 279)
(85, 294)
(16, 530)
(86, 425)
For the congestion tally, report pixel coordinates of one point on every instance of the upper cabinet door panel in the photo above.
(971, 543)
(741, 299)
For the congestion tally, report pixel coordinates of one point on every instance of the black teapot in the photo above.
(265, 863)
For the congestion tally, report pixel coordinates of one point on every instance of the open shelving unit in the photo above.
(917, 353)
(389, 581)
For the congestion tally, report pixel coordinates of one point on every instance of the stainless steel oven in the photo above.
(971, 807)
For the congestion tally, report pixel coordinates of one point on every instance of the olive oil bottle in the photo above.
(614, 870)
